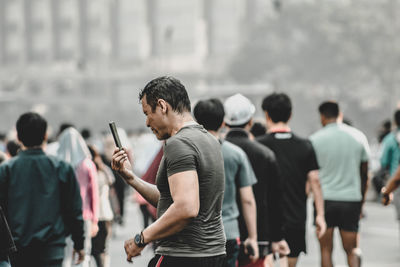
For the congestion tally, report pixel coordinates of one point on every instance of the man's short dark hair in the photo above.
(31, 129)
(168, 88)
(278, 106)
(397, 117)
(209, 113)
(329, 109)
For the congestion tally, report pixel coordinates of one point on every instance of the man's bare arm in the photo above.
(364, 179)
(184, 188)
(250, 216)
(120, 163)
(313, 178)
(391, 186)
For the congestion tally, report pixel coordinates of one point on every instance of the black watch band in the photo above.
(139, 240)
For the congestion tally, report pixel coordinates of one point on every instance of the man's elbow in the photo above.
(188, 210)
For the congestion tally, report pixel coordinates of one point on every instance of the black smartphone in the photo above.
(250, 250)
(114, 132)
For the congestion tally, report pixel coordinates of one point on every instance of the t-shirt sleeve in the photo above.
(180, 156)
(246, 176)
(312, 163)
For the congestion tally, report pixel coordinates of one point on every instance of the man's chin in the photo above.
(162, 137)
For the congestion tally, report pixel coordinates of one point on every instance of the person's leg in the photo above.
(349, 241)
(292, 261)
(146, 215)
(326, 246)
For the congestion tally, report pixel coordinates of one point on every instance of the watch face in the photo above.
(137, 239)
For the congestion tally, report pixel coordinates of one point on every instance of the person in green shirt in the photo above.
(42, 199)
(342, 153)
(390, 157)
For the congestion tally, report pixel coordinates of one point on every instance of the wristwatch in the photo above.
(139, 240)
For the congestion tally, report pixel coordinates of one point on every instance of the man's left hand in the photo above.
(131, 249)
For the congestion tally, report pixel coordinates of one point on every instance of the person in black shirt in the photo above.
(298, 165)
(268, 191)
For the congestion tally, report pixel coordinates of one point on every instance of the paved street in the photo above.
(379, 240)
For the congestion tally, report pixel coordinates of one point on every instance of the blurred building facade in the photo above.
(89, 31)
(63, 57)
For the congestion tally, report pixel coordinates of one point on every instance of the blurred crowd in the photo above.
(103, 192)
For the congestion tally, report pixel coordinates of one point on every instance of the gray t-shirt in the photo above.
(238, 174)
(193, 148)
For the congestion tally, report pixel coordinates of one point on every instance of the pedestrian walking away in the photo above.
(239, 178)
(268, 192)
(51, 206)
(298, 166)
(190, 183)
(342, 153)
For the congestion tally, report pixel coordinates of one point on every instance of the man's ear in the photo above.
(163, 105)
(46, 136)
(340, 117)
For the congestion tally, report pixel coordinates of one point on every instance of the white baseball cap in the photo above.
(238, 110)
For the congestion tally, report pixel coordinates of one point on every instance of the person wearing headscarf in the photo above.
(74, 150)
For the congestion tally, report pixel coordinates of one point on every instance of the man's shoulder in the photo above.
(265, 138)
(390, 139)
(357, 135)
(262, 150)
(231, 147)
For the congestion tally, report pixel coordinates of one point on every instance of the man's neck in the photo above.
(278, 127)
(180, 121)
(329, 121)
(215, 133)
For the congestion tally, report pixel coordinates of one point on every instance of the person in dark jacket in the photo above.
(239, 113)
(42, 200)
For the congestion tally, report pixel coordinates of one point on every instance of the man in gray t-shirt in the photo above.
(190, 183)
(192, 148)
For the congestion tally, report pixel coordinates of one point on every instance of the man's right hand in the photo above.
(254, 246)
(78, 256)
(280, 247)
(386, 197)
(121, 164)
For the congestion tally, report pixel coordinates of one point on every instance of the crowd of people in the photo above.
(223, 190)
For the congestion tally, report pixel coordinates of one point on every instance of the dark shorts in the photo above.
(296, 239)
(169, 261)
(343, 214)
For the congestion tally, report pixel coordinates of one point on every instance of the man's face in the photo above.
(156, 120)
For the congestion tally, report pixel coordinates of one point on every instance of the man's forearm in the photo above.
(364, 179)
(171, 222)
(394, 182)
(147, 190)
(317, 193)
(249, 210)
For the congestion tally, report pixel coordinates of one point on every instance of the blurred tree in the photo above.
(349, 46)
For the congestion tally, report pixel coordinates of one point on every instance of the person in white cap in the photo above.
(239, 113)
